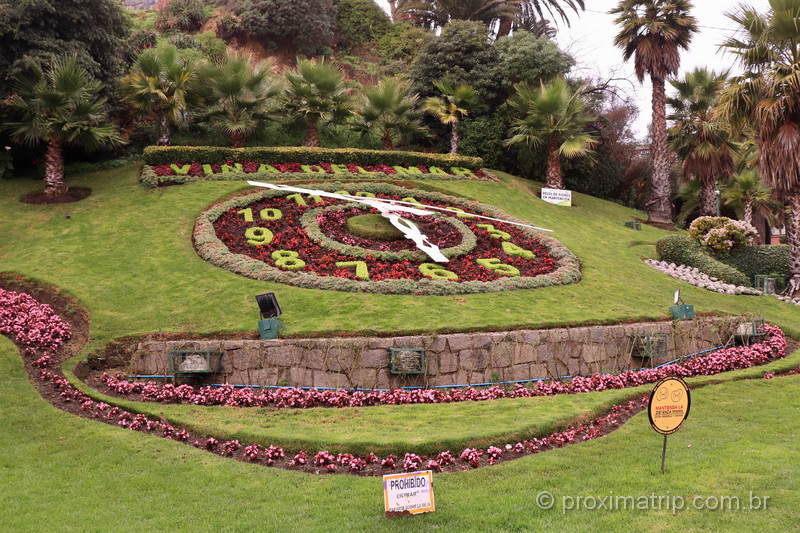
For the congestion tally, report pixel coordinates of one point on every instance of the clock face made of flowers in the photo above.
(320, 242)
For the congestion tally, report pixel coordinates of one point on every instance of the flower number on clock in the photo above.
(496, 266)
(258, 236)
(494, 232)
(436, 271)
(288, 260)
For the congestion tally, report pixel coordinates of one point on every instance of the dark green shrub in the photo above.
(683, 250)
(462, 53)
(306, 26)
(760, 260)
(403, 42)
(484, 138)
(360, 21)
(39, 30)
(524, 57)
(158, 155)
(230, 27)
(181, 15)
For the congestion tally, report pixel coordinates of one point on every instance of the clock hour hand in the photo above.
(412, 232)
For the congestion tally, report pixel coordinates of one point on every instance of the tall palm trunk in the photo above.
(387, 141)
(506, 23)
(748, 212)
(54, 169)
(708, 198)
(454, 138)
(554, 180)
(659, 208)
(312, 134)
(165, 138)
(793, 237)
(237, 139)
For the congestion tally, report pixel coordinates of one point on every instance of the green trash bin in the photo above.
(269, 328)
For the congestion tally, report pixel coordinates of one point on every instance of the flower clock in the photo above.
(435, 244)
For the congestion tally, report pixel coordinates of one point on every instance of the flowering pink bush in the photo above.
(721, 234)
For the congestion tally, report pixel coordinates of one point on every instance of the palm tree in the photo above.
(162, 83)
(689, 194)
(553, 116)
(241, 94)
(316, 93)
(60, 107)
(653, 32)
(767, 97)
(531, 14)
(390, 110)
(451, 107)
(700, 139)
(746, 194)
(437, 13)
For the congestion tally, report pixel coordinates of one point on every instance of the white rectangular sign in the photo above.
(557, 196)
(410, 493)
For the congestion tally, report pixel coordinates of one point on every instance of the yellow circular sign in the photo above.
(669, 405)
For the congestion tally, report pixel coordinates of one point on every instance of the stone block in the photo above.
(524, 353)
(436, 343)
(459, 342)
(375, 358)
(473, 359)
(448, 362)
(521, 372)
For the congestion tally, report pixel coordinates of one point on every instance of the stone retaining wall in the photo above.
(451, 359)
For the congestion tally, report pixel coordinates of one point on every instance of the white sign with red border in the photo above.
(410, 493)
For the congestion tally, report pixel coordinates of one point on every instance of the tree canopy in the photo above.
(37, 31)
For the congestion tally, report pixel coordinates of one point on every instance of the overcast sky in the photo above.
(590, 40)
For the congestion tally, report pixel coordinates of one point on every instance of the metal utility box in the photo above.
(406, 361)
(188, 362)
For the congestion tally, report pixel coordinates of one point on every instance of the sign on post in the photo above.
(410, 493)
(668, 409)
(557, 197)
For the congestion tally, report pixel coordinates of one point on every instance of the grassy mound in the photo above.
(94, 468)
(373, 226)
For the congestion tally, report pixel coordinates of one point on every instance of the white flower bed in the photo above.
(695, 277)
(787, 299)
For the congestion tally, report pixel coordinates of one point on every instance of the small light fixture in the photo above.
(270, 309)
(268, 305)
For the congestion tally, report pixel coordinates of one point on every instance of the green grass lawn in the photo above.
(64, 473)
(126, 254)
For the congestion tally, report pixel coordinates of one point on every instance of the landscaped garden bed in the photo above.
(304, 240)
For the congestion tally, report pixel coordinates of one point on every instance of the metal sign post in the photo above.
(668, 409)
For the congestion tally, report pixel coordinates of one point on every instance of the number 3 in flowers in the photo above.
(494, 232)
(288, 260)
(496, 266)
